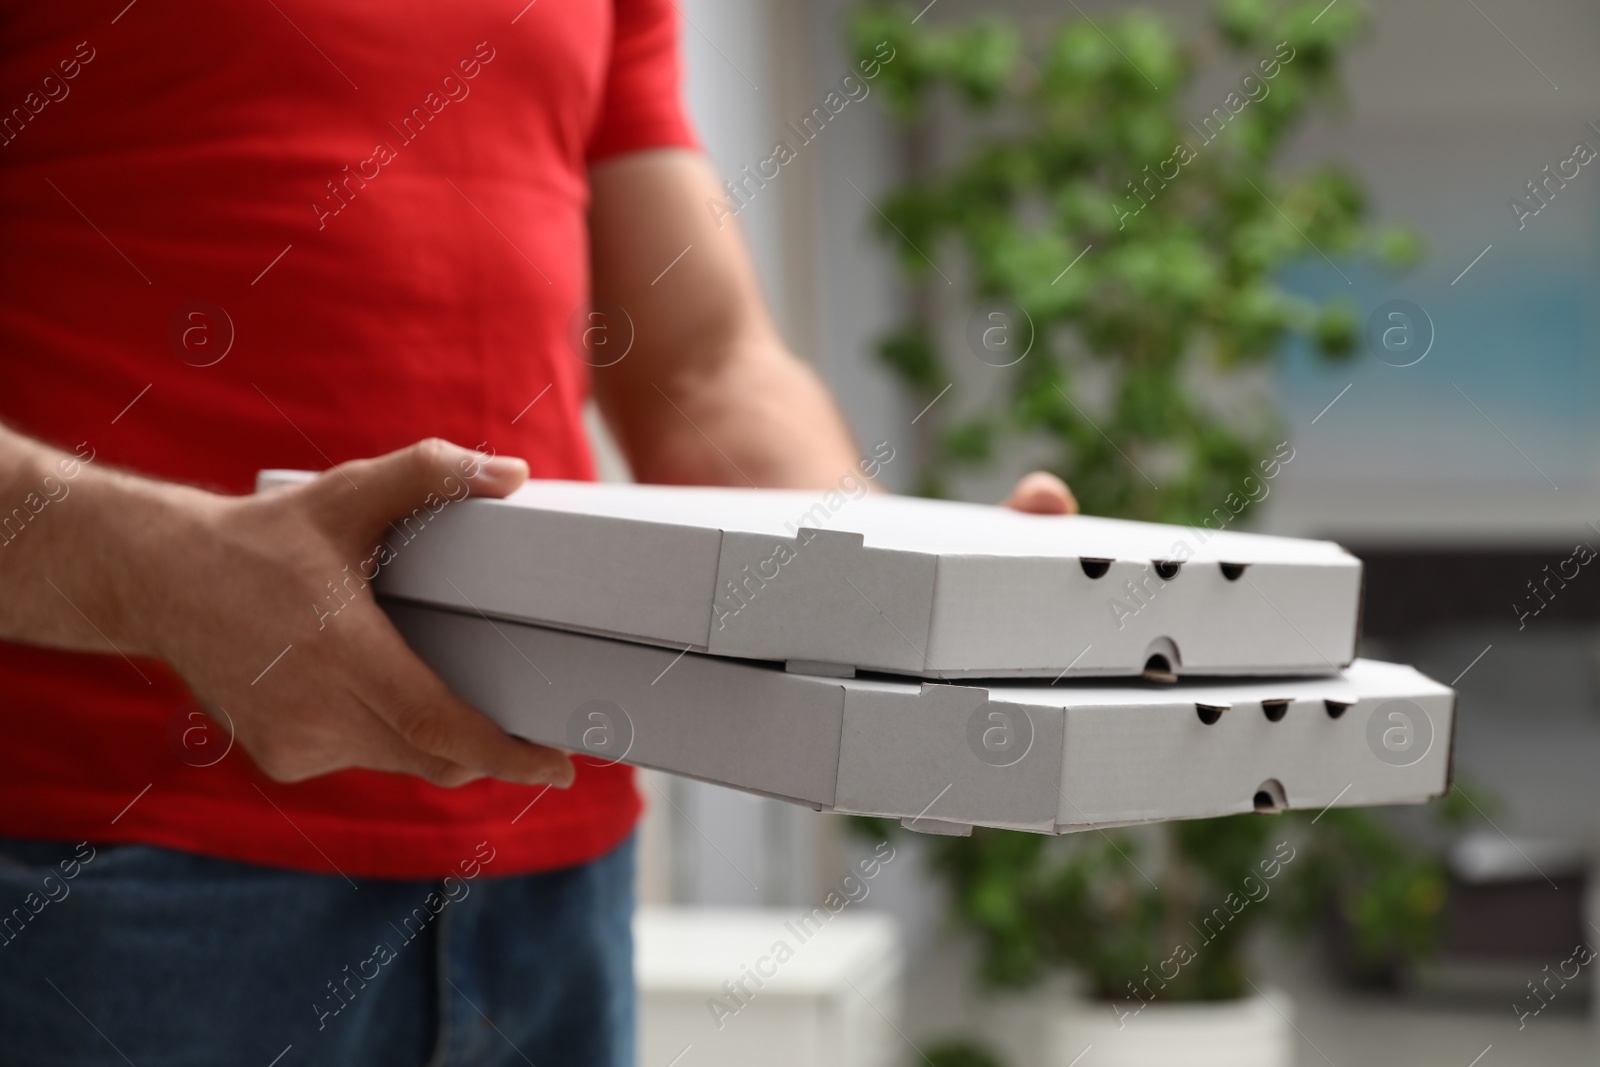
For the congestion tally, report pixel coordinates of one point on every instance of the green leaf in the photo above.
(1398, 246)
(911, 355)
(1243, 22)
(970, 442)
(980, 60)
(1338, 329)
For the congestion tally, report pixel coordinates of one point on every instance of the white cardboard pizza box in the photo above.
(943, 757)
(882, 583)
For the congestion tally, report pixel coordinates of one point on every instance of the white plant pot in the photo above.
(1252, 1032)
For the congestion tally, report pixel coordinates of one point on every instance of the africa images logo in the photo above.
(600, 334)
(1399, 732)
(1000, 333)
(200, 736)
(200, 333)
(1000, 736)
(1400, 333)
(601, 729)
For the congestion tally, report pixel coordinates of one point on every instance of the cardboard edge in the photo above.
(1077, 820)
(1361, 607)
(933, 614)
(899, 650)
(711, 592)
(545, 624)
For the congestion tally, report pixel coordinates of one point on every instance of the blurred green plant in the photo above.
(1087, 906)
(1113, 907)
(1143, 234)
(1063, 200)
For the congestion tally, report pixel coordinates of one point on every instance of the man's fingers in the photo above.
(396, 754)
(347, 734)
(417, 706)
(364, 496)
(1042, 493)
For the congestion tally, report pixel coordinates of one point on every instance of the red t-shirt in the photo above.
(387, 202)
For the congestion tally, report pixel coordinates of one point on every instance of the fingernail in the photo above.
(555, 775)
(503, 467)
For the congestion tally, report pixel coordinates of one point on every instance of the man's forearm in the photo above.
(224, 587)
(75, 572)
(707, 393)
(761, 419)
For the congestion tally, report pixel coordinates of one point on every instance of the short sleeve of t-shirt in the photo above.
(643, 101)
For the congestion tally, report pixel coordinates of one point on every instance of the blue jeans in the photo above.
(162, 959)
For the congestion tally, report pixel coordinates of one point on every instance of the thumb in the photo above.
(1042, 493)
(365, 495)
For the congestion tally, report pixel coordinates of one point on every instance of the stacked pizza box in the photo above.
(945, 664)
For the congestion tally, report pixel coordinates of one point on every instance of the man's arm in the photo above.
(709, 394)
(226, 590)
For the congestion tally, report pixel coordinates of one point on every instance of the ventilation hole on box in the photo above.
(1210, 713)
(1232, 571)
(1270, 798)
(1275, 709)
(1095, 568)
(1166, 568)
(1162, 660)
(1158, 668)
(1335, 708)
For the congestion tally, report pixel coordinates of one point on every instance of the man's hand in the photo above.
(287, 572)
(262, 604)
(1042, 493)
(348, 692)
(284, 570)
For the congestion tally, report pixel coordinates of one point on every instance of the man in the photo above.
(305, 234)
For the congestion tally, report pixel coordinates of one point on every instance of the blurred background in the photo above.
(1453, 448)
